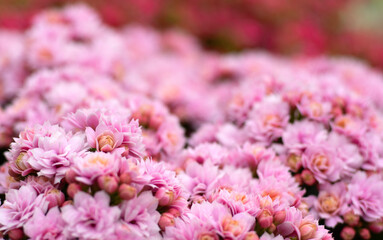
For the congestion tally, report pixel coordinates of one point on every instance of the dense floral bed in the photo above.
(136, 134)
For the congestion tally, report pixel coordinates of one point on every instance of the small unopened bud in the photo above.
(265, 219)
(364, 233)
(351, 218)
(294, 162)
(251, 236)
(279, 217)
(73, 188)
(16, 234)
(165, 197)
(376, 227)
(126, 192)
(166, 220)
(347, 233)
(55, 197)
(125, 178)
(70, 176)
(107, 183)
(298, 179)
(175, 212)
(308, 177)
(308, 230)
(272, 228)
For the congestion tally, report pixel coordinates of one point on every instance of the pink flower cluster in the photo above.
(135, 134)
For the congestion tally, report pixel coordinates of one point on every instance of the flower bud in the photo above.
(106, 142)
(165, 197)
(294, 162)
(175, 212)
(272, 228)
(251, 236)
(364, 233)
(298, 179)
(265, 219)
(55, 197)
(308, 230)
(279, 217)
(125, 178)
(16, 234)
(70, 176)
(73, 188)
(126, 192)
(347, 233)
(376, 227)
(107, 183)
(351, 218)
(308, 177)
(166, 220)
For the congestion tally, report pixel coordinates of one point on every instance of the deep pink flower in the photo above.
(93, 165)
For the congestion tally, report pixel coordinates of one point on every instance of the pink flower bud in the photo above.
(16, 234)
(308, 177)
(272, 228)
(126, 192)
(175, 212)
(348, 233)
(106, 142)
(279, 217)
(298, 179)
(351, 218)
(294, 162)
(308, 230)
(265, 219)
(73, 188)
(166, 220)
(165, 197)
(55, 197)
(376, 227)
(365, 233)
(125, 178)
(107, 183)
(70, 176)
(251, 236)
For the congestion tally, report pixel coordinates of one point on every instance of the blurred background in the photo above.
(291, 27)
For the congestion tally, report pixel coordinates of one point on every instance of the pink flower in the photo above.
(267, 120)
(140, 218)
(104, 138)
(19, 207)
(47, 150)
(301, 134)
(365, 196)
(93, 165)
(331, 203)
(48, 226)
(90, 217)
(323, 162)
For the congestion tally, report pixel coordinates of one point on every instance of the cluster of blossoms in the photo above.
(135, 134)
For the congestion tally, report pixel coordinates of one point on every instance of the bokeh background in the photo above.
(292, 27)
